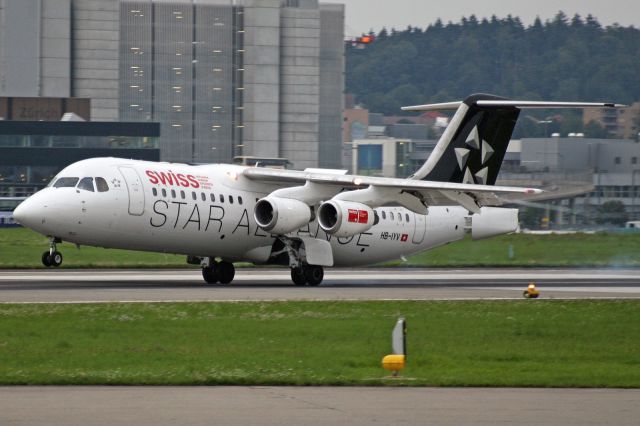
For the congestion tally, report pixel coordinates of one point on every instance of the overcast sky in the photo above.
(363, 15)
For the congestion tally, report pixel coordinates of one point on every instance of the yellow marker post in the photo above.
(396, 361)
(531, 292)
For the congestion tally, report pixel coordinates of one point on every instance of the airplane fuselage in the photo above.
(207, 211)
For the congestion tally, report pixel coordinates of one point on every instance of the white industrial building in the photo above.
(224, 78)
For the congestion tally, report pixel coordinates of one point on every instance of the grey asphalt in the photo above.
(61, 285)
(315, 406)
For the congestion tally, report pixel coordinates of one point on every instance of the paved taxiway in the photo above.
(242, 405)
(62, 285)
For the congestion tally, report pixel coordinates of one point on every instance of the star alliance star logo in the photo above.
(462, 155)
(115, 182)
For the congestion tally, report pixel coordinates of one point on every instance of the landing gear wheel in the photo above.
(314, 274)
(55, 259)
(210, 273)
(226, 272)
(52, 257)
(298, 277)
(46, 261)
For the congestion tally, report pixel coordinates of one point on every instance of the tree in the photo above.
(568, 59)
(612, 212)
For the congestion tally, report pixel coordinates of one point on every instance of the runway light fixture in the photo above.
(531, 292)
(397, 360)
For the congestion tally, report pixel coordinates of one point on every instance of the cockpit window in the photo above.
(66, 182)
(86, 184)
(101, 184)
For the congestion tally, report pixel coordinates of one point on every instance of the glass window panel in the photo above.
(66, 182)
(86, 184)
(102, 185)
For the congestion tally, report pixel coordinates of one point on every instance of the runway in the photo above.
(100, 405)
(141, 285)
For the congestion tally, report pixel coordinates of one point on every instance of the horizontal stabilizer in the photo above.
(511, 104)
(433, 107)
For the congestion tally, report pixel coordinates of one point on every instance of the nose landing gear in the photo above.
(52, 257)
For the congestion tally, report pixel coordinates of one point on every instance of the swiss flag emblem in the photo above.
(353, 216)
(363, 216)
(404, 238)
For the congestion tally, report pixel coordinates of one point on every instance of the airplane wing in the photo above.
(416, 195)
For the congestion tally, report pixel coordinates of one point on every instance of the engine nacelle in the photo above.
(281, 215)
(492, 221)
(345, 218)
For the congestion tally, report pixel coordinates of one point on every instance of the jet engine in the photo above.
(345, 218)
(281, 215)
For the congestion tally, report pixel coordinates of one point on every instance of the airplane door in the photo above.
(135, 190)
(420, 228)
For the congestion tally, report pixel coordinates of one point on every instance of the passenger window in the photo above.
(154, 191)
(391, 214)
(173, 193)
(240, 200)
(66, 182)
(204, 197)
(86, 184)
(230, 199)
(213, 198)
(384, 215)
(406, 215)
(101, 184)
(221, 198)
(194, 196)
(182, 194)
(164, 192)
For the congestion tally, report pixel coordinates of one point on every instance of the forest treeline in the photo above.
(560, 59)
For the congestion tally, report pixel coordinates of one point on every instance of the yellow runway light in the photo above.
(531, 292)
(396, 361)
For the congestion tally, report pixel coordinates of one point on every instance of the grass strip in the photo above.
(548, 343)
(22, 248)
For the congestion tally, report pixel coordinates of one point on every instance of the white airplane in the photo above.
(306, 220)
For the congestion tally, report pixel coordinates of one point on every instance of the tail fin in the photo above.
(473, 146)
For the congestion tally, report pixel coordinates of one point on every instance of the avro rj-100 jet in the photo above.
(305, 220)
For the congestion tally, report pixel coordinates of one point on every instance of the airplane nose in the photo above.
(27, 213)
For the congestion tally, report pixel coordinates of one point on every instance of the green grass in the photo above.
(22, 248)
(599, 249)
(547, 343)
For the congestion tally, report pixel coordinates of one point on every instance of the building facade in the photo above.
(224, 78)
(617, 122)
(229, 78)
(61, 49)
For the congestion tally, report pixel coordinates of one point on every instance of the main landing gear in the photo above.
(307, 275)
(52, 257)
(218, 272)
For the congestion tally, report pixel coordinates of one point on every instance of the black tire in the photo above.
(210, 274)
(46, 260)
(314, 274)
(226, 272)
(56, 259)
(298, 277)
